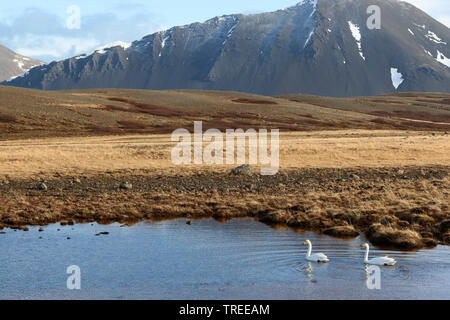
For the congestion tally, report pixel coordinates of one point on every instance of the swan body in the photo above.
(317, 257)
(382, 261)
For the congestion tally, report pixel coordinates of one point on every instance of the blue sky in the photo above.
(38, 28)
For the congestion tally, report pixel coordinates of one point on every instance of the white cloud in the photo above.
(44, 36)
(439, 9)
(52, 46)
(445, 20)
(429, 4)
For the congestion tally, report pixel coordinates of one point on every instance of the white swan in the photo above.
(382, 261)
(317, 257)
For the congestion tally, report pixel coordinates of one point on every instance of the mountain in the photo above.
(318, 47)
(13, 64)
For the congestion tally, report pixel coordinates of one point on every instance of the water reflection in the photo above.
(309, 272)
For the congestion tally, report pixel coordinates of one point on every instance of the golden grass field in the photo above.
(320, 149)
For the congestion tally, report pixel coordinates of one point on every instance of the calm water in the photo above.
(241, 259)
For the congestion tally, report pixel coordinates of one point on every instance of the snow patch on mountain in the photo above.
(104, 49)
(443, 59)
(20, 64)
(314, 4)
(27, 71)
(230, 32)
(163, 43)
(396, 77)
(23, 63)
(356, 33)
(433, 37)
(313, 11)
(420, 26)
(301, 3)
(309, 37)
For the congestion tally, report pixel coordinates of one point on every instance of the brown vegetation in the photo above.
(139, 107)
(381, 235)
(130, 124)
(342, 231)
(31, 113)
(406, 114)
(7, 118)
(253, 101)
(103, 130)
(408, 210)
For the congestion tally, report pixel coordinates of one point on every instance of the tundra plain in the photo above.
(377, 165)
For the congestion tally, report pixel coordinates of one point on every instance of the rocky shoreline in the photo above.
(406, 208)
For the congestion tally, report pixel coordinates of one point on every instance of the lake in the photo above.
(239, 259)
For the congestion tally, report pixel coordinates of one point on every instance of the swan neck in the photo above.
(366, 258)
(309, 249)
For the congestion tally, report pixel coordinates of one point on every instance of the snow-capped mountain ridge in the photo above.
(318, 47)
(105, 48)
(13, 65)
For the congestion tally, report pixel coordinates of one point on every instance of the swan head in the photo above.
(306, 242)
(364, 245)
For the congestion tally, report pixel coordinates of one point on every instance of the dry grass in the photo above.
(381, 235)
(406, 210)
(328, 149)
(342, 231)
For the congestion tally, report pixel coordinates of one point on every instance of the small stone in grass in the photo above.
(242, 170)
(126, 186)
(42, 186)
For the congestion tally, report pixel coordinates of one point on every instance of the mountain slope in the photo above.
(13, 64)
(318, 47)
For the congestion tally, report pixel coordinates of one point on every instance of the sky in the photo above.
(48, 31)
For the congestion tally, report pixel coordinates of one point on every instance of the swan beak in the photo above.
(363, 245)
(304, 243)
